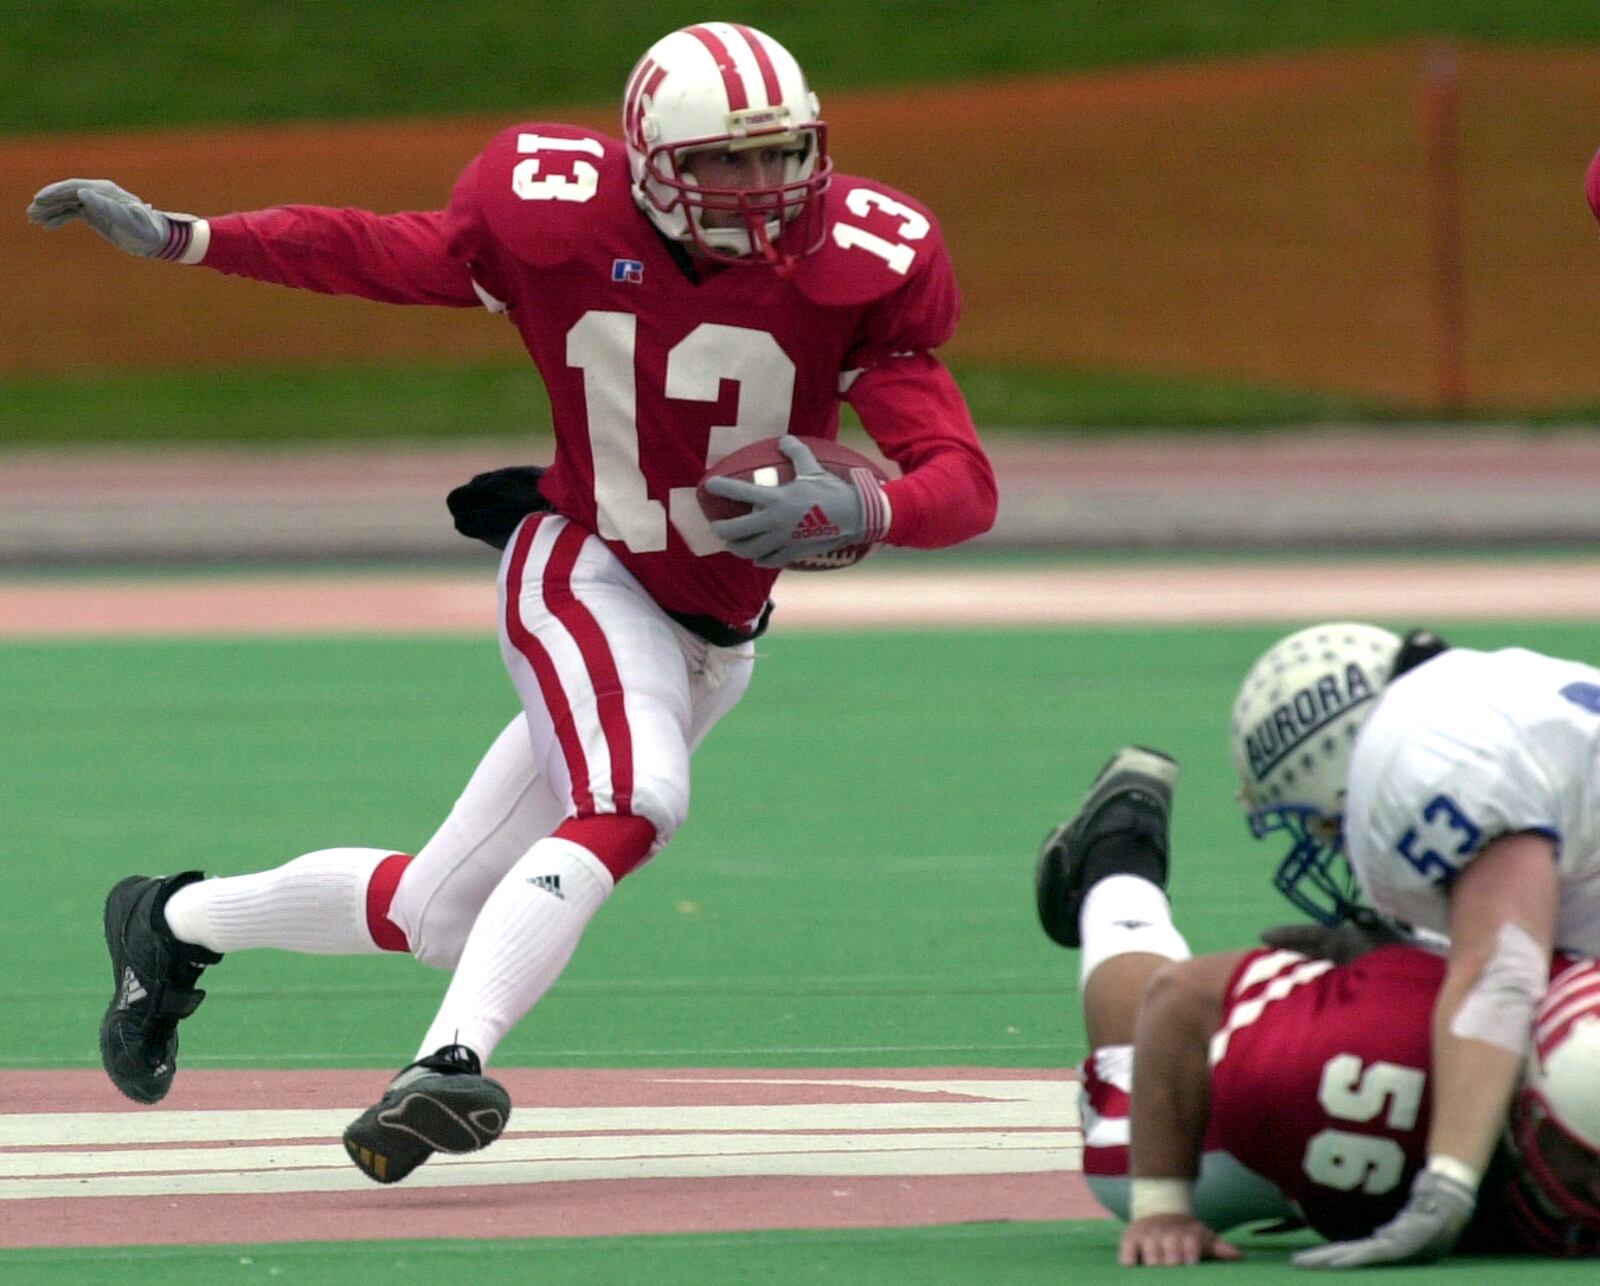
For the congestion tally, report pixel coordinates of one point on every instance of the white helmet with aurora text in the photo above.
(1554, 1132)
(1294, 723)
(723, 85)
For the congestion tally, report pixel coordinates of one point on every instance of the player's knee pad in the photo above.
(1500, 1007)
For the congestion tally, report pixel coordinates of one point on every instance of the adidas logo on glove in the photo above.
(814, 525)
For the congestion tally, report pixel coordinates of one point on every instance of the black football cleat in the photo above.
(1120, 829)
(441, 1103)
(153, 976)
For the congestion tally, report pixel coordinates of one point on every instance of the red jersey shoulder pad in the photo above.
(542, 188)
(877, 239)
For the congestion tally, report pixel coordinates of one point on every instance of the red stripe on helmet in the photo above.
(732, 81)
(769, 73)
(644, 85)
(630, 96)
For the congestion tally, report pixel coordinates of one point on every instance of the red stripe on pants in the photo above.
(544, 670)
(597, 660)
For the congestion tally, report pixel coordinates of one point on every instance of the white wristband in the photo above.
(1449, 1168)
(1147, 1197)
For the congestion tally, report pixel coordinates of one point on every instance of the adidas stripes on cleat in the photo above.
(1120, 829)
(153, 976)
(441, 1103)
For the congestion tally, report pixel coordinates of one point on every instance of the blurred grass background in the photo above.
(109, 64)
(96, 68)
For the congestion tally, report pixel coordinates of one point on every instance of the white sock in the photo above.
(519, 944)
(315, 904)
(1123, 914)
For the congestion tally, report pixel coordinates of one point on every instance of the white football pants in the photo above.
(616, 695)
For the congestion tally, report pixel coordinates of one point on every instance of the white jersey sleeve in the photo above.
(1466, 748)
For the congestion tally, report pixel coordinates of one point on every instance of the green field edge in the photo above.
(439, 402)
(1011, 1252)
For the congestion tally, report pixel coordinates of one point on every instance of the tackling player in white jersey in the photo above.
(1463, 787)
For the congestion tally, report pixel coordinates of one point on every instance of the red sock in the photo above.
(620, 842)
(380, 893)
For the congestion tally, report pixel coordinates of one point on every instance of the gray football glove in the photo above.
(116, 214)
(814, 513)
(1424, 1230)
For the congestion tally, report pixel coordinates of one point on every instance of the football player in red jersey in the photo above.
(706, 282)
(1278, 1083)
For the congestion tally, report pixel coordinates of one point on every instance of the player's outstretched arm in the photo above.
(115, 213)
(1502, 924)
(402, 258)
(1170, 1105)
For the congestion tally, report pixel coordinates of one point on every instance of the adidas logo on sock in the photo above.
(132, 989)
(549, 883)
(814, 525)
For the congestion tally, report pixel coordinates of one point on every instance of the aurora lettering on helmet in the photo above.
(1304, 715)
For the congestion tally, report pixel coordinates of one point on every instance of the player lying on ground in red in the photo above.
(704, 283)
(1268, 1084)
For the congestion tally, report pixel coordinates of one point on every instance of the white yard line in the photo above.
(989, 1128)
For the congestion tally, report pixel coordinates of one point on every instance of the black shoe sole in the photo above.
(433, 1114)
(1060, 882)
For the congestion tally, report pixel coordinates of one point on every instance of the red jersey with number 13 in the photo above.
(651, 374)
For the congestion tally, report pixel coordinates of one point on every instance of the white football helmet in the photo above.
(1554, 1132)
(1294, 723)
(725, 86)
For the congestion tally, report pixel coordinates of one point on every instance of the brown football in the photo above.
(766, 466)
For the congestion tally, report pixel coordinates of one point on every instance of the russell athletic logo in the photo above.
(1304, 715)
(551, 884)
(815, 525)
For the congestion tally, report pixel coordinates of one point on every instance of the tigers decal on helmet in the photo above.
(1293, 728)
(726, 86)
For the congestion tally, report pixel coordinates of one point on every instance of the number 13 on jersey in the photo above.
(601, 345)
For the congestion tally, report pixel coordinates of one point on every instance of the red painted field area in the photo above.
(255, 1156)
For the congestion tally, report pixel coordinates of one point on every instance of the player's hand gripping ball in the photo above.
(795, 528)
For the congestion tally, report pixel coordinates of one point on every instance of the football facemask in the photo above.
(1314, 875)
(1293, 728)
(726, 87)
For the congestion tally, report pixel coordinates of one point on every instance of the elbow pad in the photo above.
(1500, 1007)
